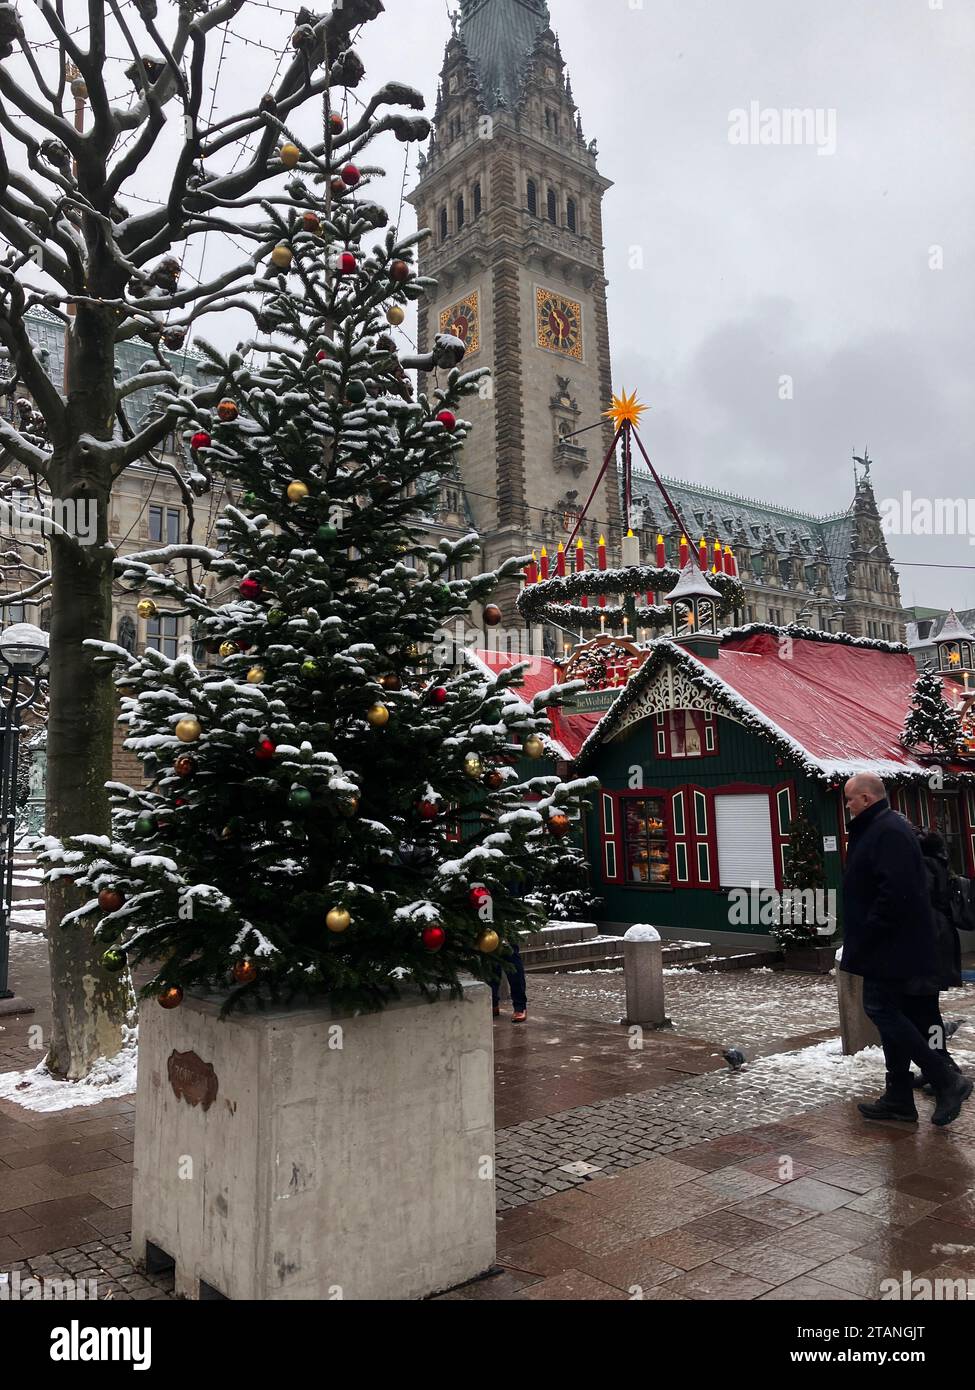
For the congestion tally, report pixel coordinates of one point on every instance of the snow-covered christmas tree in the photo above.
(931, 720)
(333, 807)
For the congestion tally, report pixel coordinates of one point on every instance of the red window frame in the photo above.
(691, 838)
(706, 725)
(779, 840)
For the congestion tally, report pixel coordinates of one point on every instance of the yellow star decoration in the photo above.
(625, 410)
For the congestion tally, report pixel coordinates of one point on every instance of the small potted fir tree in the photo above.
(806, 925)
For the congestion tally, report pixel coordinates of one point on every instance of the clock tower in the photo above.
(510, 190)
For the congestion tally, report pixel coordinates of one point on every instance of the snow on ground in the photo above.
(31, 920)
(109, 1079)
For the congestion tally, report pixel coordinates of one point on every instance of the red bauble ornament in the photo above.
(559, 825)
(350, 176)
(171, 998)
(399, 271)
(227, 410)
(245, 972)
(428, 810)
(337, 123)
(110, 900)
(265, 750)
(434, 938)
(477, 897)
(321, 355)
(494, 781)
(438, 695)
(184, 766)
(250, 588)
(448, 419)
(200, 440)
(338, 188)
(492, 615)
(347, 263)
(310, 222)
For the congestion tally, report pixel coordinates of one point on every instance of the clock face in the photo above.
(559, 323)
(463, 320)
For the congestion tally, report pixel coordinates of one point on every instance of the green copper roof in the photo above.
(500, 37)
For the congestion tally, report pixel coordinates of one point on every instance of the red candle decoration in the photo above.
(544, 563)
(683, 551)
(702, 553)
(601, 563)
(580, 567)
(350, 176)
(731, 564)
(717, 556)
(661, 552)
(531, 570)
(448, 419)
(200, 440)
(433, 938)
(560, 561)
(250, 588)
(265, 750)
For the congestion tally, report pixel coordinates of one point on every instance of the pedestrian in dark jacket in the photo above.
(889, 939)
(925, 1010)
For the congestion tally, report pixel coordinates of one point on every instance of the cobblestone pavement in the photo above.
(579, 1110)
(749, 1009)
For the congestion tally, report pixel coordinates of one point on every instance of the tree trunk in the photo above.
(89, 1004)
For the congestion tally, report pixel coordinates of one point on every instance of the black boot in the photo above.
(896, 1103)
(950, 1098)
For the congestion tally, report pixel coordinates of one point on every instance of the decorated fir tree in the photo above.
(564, 894)
(333, 806)
(803, 901)
(931, 720)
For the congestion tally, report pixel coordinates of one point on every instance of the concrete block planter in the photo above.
(311, 1153)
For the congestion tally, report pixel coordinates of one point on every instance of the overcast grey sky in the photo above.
(761, 262)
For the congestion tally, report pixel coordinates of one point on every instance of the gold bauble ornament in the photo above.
(395, 315)
(170, 998)
(533, 747)
(339, 919)
(378, 715)
(282, 256)
(146, 608)
(256, 674)
(189, 729)
(473, 765)
(488, 941)
(297, 491)
(245, 972)
(228, 649)
(289, 155)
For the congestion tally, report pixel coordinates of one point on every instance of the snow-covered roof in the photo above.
(953, 631)
(693, 583)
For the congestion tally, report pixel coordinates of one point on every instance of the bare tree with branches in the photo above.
(74, 248)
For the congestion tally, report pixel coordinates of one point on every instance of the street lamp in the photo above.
(23, 653)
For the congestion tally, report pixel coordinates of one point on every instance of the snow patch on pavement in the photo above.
(109, 1079)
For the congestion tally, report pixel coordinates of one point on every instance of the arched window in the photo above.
(571, 220)
(553, 206)
(477, 200)
(459, 217)
(532, 198)
(443, 224)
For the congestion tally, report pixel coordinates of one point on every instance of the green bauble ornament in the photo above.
(144, 825)
(310, 668)
(275, 617)
(249, 499)
(299, 797)
(356, 392)
(113, 961)
(326, 533)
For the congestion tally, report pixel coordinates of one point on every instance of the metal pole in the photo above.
(8, 826)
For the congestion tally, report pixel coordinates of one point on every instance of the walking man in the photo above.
(888, 938)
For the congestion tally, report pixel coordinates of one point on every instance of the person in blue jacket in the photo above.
(889, 939)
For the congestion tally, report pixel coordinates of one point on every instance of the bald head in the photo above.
(863, 790)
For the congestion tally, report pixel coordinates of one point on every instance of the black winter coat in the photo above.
(888, 933)
(946, 938)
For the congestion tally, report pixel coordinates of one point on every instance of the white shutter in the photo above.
(745, 853)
